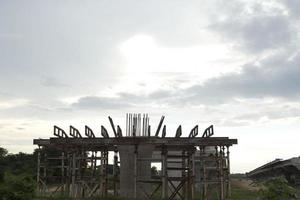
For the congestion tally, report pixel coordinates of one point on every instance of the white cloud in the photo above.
(233, 64)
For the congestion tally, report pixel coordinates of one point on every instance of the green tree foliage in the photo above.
(154, 171)
(17, 172)
(20, 163)
(278, 189)
(3, 152)
(17, 187)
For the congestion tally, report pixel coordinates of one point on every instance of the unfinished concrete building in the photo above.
(193, 167)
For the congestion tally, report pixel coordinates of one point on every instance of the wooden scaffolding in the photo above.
(191, 167)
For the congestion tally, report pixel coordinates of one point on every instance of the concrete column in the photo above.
(127, 170)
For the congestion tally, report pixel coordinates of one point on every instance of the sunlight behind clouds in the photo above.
(144, 55)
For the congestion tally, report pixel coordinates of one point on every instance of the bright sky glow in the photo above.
(233, 64)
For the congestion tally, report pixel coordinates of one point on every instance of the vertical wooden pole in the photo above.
(104, 178)
(222, 196)
(228, 174)
(106, 172)
(135, 172)
(218, 169)
(164, 193)
(68, 174)
(82, 165)
(193, 175)
(38, 171)
(115, 171)
(189, 175)
(73, 187)
(63, 171)
(183, 174)
(202, 156)
(45, 173)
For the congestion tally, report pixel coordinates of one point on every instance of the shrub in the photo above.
(17, 187)
(278, 189)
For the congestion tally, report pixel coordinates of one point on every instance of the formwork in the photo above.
(77, 166)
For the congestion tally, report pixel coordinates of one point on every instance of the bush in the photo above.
(278, 189)
(17, 187)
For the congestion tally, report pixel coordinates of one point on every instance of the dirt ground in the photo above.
(244, 183)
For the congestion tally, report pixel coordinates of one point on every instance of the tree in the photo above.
(154, 171)
(3, 152)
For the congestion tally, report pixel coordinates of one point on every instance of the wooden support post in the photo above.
(228, 174)
(45, 174)
(218, 169)
(224, 172)
(135, 172)
(106, 172)
(202, 154)
(63, 172)
(104, 178)
(81, 170)
(189, 175)
(221, 172)
(115, 168)
(94, 162)
(183, 174)
(38, 171)
(73, 187)
(164, 192)
(68, 177)
(102, 173)
(193, 175)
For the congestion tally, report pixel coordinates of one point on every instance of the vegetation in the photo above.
(17, 187)
(18, 175)
(278, 189)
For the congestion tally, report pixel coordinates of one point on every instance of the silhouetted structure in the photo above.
(187, 163)
(289, 168)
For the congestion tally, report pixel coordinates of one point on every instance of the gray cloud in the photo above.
(95, 103)
(293, 6)
(258, 33)
(53, 82)
(254, 27)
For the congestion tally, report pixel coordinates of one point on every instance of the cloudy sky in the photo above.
(233, 64)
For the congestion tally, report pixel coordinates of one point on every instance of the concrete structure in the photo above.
(80, 165)
(289, 168)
